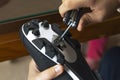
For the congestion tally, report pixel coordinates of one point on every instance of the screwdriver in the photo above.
(71, 19)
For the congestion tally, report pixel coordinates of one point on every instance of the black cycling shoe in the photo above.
(40, 41)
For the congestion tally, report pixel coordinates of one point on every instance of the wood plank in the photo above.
(11, 46)
(107, 28)
(14, 25)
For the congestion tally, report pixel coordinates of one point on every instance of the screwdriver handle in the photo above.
(73, 16)
(81, 12)
(67, 17)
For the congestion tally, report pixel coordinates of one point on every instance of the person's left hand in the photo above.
(48, 74)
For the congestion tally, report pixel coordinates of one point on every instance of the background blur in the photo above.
(18, 69)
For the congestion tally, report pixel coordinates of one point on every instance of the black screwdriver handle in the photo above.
(67, 17)
(81, 12)
(73, 16)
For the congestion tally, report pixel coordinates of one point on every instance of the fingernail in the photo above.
(58, 69)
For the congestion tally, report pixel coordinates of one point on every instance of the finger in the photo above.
(33, 66)
(73, 4)
(88, 18)
(50, 73)
(85, 20)
(33, 71)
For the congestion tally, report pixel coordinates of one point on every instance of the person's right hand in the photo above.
(101, 9)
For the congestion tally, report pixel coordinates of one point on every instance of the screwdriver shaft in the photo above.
(65, 31)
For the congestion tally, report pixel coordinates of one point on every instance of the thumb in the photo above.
(50, 73)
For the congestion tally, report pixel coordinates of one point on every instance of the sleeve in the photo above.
(96, 47)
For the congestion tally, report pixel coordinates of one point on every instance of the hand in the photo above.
(48, 74)
(101, 9)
